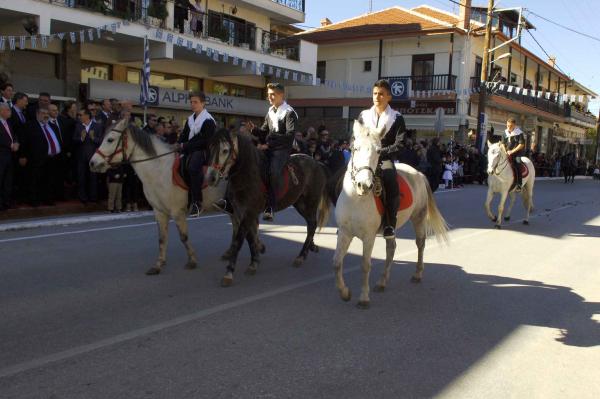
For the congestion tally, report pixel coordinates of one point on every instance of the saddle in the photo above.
(406, 198)
(523, 169)
(180, 176)
(290, 177)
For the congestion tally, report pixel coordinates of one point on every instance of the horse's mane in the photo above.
(247, 159)
(141, 138)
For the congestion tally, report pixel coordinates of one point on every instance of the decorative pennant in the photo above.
(524, 92)
(278, 73)
(236, 61)
(286, 74)
(61, 36)
(318, 81)
(73, 38)
(2, 43)
(244, 63)
(22, 42)
(82, 36)
(510, 89)
(179, 42)
(295, 76)
(99, 31)
(113, 28)
(11, 42)
(169, 38)
(126, 22)
(33, 42)
(44, 40)
(580, 99)
(198, 48)
(225, 57)
(190, 45)
(547, 96)
(518, 90)
(158, 34)
(572, 98)
(539, 94)
(208, 52)
(263, 68)
(216, 56)
(91, 35)
(270, 70)
(501, 87)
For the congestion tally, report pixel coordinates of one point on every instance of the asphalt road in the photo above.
(509, 313)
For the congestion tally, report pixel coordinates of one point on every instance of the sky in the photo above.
(576, 55)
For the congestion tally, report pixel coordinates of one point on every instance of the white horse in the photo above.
(356, 213)
(500, 180)
(153, 161)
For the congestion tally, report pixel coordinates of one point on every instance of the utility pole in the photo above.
(484, 76)
(596, 153)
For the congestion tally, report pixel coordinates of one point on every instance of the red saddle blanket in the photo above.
(290, 176)
(178, 179)
(406, 198)
(524, 170)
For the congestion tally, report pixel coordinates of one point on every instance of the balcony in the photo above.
(429, 82)
(586, 118)
(151, 12)
(540, 103)
(297, 5)
(243, 34)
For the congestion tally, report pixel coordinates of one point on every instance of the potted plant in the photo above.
(158, 9)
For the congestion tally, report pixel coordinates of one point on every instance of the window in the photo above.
(321, 67)
(478, 66)
(332, 112)
(314, 112)
(94, 70)
(513, 79)
(167, 80)
(220, 89)
(422, 71)
(354, 112)
(133, 76)
(193, 84)
(496, 73)
(367, 66)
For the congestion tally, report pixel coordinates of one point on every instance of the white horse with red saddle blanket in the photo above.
(502, 180)
(357, 213)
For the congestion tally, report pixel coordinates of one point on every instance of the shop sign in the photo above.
(424, 107)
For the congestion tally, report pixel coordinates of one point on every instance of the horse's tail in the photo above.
(435, 223)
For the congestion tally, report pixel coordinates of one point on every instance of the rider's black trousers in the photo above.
(196, 170)
(274, 163)
(516, 164)
(391, 199)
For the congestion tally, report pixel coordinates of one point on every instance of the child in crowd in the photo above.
(448, 175)
(115, 177)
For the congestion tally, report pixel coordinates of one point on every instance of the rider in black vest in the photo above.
(276, 136)
(193, 142)
(381, 114)
(514, 139)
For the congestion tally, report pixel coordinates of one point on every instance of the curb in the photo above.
(562, 178)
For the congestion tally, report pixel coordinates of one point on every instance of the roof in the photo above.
(443, 16)
(391, 21)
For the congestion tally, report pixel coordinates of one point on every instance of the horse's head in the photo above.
(114, 148)
(496, 154)
(222, 156)
(365, 155)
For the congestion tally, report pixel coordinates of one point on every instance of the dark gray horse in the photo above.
(234, 157)
(568, 164)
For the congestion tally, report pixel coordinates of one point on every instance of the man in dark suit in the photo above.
(43, 101)
(17, 123)
(60, 128)
(41, 148)
(106, 114)
(86, 140)
(8, 146)
(6, 93)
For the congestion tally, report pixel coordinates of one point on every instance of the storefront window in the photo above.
(193, 84)
(93, 70)
(237, 91)
(220, 89)
(167, 81)
(133, 76)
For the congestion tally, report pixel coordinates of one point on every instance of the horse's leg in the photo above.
(237, 244)
(253, 243)
(527, 194)
(364, 301)
(234, 226)
(421, 235)
(343, 242)
(310, 215)
(182, 227)
(488, 201)
(503, 196)
(162, 219)
(510, 206)
(390, 249)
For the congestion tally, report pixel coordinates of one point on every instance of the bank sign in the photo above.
(399, 88)
(161, 97)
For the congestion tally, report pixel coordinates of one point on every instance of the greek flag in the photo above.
(145, 81)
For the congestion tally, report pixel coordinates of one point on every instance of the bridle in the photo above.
(354, 171)
(123, 149)
(231, 157)
(505, 163)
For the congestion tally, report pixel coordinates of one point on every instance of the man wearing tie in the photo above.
(86, 139)
(17, 123)
(8, 146)
(106, 114)
(60, 130)
(41, 149)
(6, 94)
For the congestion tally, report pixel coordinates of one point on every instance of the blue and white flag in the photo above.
(236, 61)
(145, 81)
(33, 42)
(198, 48)
(91, 35)
(2, 43)
(22, 42)
(44, 40)
(158, 34)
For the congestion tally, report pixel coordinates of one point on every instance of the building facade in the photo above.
(433, 59)
(230, 50)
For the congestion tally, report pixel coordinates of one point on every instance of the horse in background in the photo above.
(153, 162)
(357, 214)
(568, 165)
(501, 179)
(234, 157)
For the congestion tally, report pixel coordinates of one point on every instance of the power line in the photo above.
(564, 27)
(545, 52)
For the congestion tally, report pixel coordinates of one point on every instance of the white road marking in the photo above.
(65, 233)
(120, 338)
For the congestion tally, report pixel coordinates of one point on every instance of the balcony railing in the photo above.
(580, 116)
(540, 103)
(149, 12)
(297, 5)
(429, 82)
(246, 35)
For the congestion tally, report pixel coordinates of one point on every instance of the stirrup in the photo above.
(518, 188)
(224, 206)
(389, 233)
(268, 215)
(195, 210)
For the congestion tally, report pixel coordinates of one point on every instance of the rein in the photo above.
(354, 171)
(506, 160)
(232, 157)
(123, 149)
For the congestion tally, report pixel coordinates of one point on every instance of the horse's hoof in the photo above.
(495, 219)
(415, 279)
(498, 227)
(226, 282)
(251, 271)
(153, 271)
(346, 294)
(314, 248)
(191, 265)
(363, 304)
(262, 248)
(379, 288)
(526, 222)
(506, 218)
(298, 261)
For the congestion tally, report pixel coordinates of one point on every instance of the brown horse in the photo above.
(234, 157)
